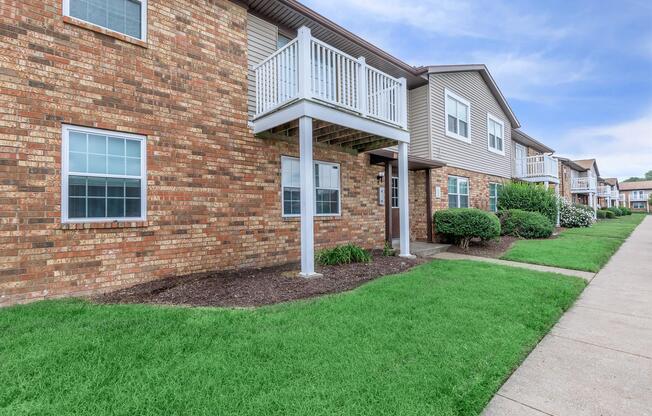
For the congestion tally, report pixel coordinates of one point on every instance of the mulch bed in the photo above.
(494, 248)
(257, 287)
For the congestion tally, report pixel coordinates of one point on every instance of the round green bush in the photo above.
(602, 213)
(626, 211)
(460, 225)
(529, 197)
(609, 214)
(525, 224)
(617, 212)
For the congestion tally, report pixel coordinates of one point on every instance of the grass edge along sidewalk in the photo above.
(585, 249)
(438, 339)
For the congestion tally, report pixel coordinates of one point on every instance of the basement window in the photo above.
(104, 176)
(128, 17)
(327, 188)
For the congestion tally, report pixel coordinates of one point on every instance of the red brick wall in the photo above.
(478, 194)
(213, 188)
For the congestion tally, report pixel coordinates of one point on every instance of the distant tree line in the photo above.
(646, 177)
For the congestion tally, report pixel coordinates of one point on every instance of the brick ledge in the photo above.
(103, 225)
(98, 29)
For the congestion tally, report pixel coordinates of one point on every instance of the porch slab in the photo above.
(423, 249)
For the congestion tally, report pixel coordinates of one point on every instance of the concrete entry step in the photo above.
(423, 249)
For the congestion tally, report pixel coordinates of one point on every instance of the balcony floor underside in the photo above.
(331, 134)
(542, 179)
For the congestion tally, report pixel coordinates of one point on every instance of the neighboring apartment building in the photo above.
(135, 143)
(461, 120)
(579, 181)
(608, 192)
(636, 195)
(533, 160)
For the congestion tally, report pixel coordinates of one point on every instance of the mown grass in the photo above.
(585, 249)
(439, 340)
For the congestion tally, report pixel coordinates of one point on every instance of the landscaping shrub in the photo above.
(609, 214)
(571, 216)
(602, 214)
(617, 211)
(626, 211)
(529, 197)
(348, 253)
(525, 224)
(460, 225)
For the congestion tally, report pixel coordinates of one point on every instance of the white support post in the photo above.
(558, 202)
(362, 86)
(403, 103)
(594, 204)
(305, 70)
(403, 201)
(306, 180)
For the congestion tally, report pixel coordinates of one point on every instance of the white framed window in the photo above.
(128, 17)
(495, 134)
(458, 192)
(327, 188)
(458, 116)
(103, 175)
(638, 205)
(494, 188)
(394, 192)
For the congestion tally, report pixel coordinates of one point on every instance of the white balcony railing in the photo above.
(604, 191)
(536, 167)
(640, 196)
(584, 184)
(615, 194)
(307, 68)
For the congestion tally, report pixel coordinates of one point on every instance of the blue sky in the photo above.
(578, 73)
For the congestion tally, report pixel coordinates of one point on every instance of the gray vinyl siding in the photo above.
(418, 122)
(261, 43)
(474, 156)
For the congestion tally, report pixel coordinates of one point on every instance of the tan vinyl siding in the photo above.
(418, 122)
(474, 156)
(261, 43)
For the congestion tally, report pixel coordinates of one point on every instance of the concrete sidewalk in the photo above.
(457, 256)
(597, 360)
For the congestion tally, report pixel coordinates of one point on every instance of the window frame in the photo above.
(143, 20)
(457, 191)
(457, 136)
(65, 174)
(491, 117)
(496, 186)
(314, 208)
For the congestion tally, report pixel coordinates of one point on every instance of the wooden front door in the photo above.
(396, 220)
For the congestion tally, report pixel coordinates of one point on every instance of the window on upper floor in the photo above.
(458, 117)
(458, 192)
(494, 189)
(282, 40)
(104, 175)
(128, 17)
(496, 134)
(327, 188)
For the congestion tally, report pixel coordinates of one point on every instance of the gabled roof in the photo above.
(588, 164)
(634, 186)
(486, 76)
(611, 181)
(571, 164)
(521, 137)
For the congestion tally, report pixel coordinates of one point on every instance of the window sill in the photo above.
(315, 217)
(103, 225)
(458, 137)
(498, 152)
(98, 29)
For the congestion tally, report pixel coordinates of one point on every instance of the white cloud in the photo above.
(535, 76)
(491, 20)
(622, 149)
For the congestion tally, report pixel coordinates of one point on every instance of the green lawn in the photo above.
(578, 248)
(437, 340)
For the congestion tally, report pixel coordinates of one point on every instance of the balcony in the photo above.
(615, 194)
(604, 191)
(584, 184)
(539, 168)
(307, 77)
(638, 197)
